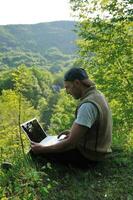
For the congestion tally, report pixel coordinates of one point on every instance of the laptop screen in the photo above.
(34, 130)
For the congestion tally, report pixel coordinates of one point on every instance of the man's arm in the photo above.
(76, 132)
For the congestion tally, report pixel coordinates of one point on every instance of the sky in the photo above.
(33, 11)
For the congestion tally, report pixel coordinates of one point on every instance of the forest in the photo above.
(31, 85)
(44, 45)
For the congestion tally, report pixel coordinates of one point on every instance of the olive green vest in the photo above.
(96, 143)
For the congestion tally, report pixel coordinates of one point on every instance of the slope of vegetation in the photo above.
(39, 37)
(46, 44)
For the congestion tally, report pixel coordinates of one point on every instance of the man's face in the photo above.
(72, 88)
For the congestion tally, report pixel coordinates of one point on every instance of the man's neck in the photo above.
(86, 90)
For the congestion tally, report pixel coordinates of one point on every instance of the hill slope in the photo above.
(44, 44)
(39, 37)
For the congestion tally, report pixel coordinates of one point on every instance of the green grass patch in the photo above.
(110, 180)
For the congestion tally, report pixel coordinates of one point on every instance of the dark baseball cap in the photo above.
(75, 73)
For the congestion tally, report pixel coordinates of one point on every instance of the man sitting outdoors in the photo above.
(89, 139)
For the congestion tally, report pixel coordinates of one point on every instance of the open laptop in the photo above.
(35, 133)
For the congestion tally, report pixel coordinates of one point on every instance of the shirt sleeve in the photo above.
(87, 114)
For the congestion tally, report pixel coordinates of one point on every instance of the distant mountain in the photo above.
(39, 38)
(44, 42)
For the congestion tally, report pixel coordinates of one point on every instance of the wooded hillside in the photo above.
(37, 44)
(39, 37)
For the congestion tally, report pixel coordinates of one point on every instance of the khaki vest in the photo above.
(96, 143)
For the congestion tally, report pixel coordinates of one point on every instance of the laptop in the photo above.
(35, 133)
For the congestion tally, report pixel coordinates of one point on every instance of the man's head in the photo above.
(76, 81)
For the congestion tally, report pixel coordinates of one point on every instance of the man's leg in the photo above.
(71, 157)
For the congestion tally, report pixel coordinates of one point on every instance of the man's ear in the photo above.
(77, 82)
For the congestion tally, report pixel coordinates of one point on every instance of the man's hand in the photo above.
(64, 133)
(37, 148)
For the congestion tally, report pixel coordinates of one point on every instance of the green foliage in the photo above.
(33, 83)
(10, 114)
(106, 181)
(15, 58)
(23, 181)
(32, 45)
(46, 45)
(54, 61)
(129, 144)
(53, 54)
(63, 113)
(6, 81)
(36, 85)
(104, 9)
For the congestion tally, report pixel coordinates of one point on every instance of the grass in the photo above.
(110, 180)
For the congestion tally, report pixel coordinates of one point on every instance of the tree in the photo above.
(6, 81)
(10, 125)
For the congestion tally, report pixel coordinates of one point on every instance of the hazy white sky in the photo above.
(33, 11)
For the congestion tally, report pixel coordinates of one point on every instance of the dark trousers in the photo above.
(72, 157)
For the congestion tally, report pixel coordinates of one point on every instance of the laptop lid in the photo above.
(34, 130)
